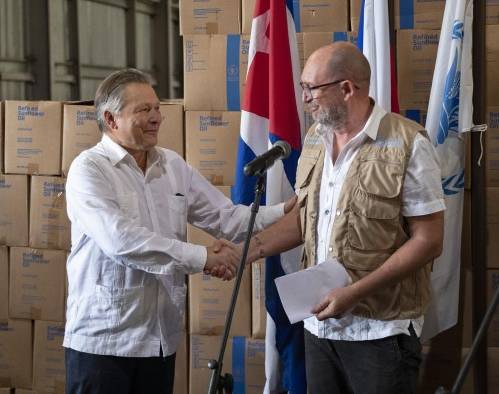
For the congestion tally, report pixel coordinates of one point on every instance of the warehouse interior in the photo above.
(53, 56)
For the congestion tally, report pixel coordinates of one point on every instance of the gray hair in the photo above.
(109, 95)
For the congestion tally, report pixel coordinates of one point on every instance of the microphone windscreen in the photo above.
(286, 148)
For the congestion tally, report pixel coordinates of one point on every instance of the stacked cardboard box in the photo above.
(41, 140)
(309, 15)
(34, 230)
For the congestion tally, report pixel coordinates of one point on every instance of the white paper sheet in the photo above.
(302, 290)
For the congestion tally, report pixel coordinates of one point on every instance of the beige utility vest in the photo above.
(368, 227)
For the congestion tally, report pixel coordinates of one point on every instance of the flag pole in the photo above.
(478, 208)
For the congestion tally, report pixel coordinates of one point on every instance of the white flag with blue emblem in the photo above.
(450, 114)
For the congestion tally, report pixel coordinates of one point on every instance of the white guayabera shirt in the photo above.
(129, 256)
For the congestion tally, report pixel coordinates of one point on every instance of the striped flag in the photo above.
(376, 43)
(271, 111)
(450, 114)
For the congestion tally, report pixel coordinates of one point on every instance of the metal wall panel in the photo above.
(102, 41)
(62, 49)
(144, 22)
(14, 69)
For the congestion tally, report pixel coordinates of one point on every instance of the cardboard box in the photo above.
(49, 374)
(416, 56)
(209, 298)
(24, 391)
(211, 139)
(36, 289)
(1, 136)
(492, 64)
(33, 137)
(49, 226)
(492, 148)
(419, 14)
(492, 12)
(299, 44)
(321, 15)
(313, 41)
(467, 308)
(14, 210)
(355, 7)
(258, 309)
(5, 390)
(181, 382)
(466, 258)
(215, 72)
(4, 284)
(310, 15)
(492, 223)
(248, 6)
(16, 353)
(210, 17)
(492, 286)
(171, 132)
(417, 115)
(244, 358)
(493, 369)
(79, 132)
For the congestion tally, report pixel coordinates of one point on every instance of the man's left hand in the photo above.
(336, 303)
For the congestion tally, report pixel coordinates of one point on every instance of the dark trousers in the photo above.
(96, 374)
(383, 366)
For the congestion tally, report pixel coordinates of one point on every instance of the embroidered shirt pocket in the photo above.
(177, 212)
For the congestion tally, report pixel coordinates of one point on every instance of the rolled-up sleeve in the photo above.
(422, 192)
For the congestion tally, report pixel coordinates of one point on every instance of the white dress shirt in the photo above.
(421, 195)
(129, 256)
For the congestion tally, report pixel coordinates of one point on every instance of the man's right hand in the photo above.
(222, 260)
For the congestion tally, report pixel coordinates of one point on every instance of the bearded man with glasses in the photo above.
(369, 196)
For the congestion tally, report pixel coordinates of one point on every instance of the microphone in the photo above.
(257, 166)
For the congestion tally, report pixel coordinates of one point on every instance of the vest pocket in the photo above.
(373, 222)
(381, 178)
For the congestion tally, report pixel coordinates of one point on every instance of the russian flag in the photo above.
(450, 113)
(377, 44)
(271, 111)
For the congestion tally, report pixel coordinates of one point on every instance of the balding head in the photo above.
(340, 60)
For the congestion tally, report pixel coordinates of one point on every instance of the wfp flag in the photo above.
(374, 42)
(449, 115)
(272, 111)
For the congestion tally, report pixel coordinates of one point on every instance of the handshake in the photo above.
(224, 256)
(223, 259)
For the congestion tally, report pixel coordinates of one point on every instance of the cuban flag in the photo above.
(450, 115)
(271, 111)
(377, 45)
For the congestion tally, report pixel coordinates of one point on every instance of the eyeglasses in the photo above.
(307, 90)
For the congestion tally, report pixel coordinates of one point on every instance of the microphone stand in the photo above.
(458, 384)
(225, 384)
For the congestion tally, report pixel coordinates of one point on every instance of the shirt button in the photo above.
(331, 184)
(338, 212)
(330, 249)
(326, 211)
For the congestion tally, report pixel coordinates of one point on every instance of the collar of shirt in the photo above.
(370, 129)
(117, 153)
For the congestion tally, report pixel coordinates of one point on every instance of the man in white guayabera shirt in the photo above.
(129, 203)
(369, 195)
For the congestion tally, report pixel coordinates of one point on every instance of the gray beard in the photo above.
(332, 117)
